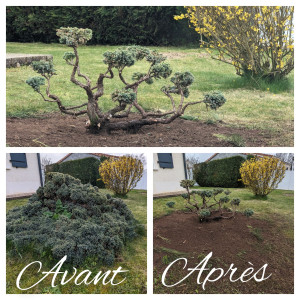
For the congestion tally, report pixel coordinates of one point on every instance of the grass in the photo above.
(133, 258)
(248, 105)
(236, 140)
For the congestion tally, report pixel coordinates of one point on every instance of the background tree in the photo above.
(125, 98)
(112, 25)
(121, 174)
(288, 158)
(257, 40)
(45, 161)
(262, 174)
(190, 163)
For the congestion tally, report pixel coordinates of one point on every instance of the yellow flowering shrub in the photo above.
(121, 174)
(257, 40)
(262, 175)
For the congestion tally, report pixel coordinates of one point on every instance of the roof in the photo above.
(95, 154)
(257, 154)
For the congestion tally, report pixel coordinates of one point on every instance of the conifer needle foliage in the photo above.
(69, 218)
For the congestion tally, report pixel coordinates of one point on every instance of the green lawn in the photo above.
(278, 207)
(268, 107)
(133, 258)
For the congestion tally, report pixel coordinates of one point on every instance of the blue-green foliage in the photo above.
(214, 100)
(161, 70)
(73, 219)
(73, 36)
(235, 201)
(43, 67)
(35, 82)
(185, 196)
(181, 81)
(123, 96)
(248, 212)
(69, 56)
(119, 59)
(170, 204)
(187, 183)
(204, 213)
(224, 199)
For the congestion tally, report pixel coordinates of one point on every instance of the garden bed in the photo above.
(238, 240)
(58, 130)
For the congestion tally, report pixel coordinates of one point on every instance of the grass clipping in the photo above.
(66, 217)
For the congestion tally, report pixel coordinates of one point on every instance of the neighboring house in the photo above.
(23, 174)
(141, 185)
(286, 184)
(168, 170)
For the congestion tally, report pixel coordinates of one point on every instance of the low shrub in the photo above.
(66, 217)
(210, 204)
(170, 204)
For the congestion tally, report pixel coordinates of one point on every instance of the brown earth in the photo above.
(238, 240)
(58, 130)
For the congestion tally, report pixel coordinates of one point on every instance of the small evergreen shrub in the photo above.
(69, 218)
(248, 212)
(125, 96)
(212, 204)
(170, 204)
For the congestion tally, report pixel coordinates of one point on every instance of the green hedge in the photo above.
(85, 169)
(115, 25)
(219, 173)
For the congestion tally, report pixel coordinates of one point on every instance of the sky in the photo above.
(200, 156)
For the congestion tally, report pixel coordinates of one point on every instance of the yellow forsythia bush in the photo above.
(257, 40)
(121, 174)
(262, 175)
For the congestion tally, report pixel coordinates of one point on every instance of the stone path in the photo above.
(19, 59)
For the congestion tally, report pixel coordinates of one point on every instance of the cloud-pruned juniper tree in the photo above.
(126, 97)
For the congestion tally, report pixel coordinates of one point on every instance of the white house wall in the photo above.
(22, 180)
(288, 181)
(168, 180)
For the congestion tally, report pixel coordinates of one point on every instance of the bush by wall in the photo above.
(85, 169)
(116, 25)
(219, 173)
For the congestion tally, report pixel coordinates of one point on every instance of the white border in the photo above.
(148, 151)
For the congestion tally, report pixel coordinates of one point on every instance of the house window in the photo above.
(165, 160)
(18, 160)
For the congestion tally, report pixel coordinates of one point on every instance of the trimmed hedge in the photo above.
(112, 25)
(85, 169)
(219, 173)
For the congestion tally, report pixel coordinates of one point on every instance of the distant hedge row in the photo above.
(219, 173)
(116, 25)
(85, 169)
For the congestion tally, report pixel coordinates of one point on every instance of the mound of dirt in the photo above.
(238, 240)
(56, 130)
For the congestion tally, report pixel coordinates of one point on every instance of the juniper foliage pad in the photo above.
(69, 218)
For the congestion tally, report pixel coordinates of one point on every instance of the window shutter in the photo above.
(165, 160)
(18, 160)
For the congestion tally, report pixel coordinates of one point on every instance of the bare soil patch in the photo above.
(56, 130)
(238, 240)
